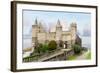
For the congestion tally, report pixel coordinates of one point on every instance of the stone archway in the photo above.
(61, 43)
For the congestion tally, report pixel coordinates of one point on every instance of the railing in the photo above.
(31, 58)
(48, 55)
(37, 57)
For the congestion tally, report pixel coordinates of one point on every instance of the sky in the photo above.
(49, 20)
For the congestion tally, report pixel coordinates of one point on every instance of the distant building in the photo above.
(40, 35)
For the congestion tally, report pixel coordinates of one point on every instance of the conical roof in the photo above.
(58, 23)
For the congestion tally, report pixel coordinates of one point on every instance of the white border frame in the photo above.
(36, 65)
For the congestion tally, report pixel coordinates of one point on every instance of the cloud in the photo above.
(27, 36)
(86, 42)
(65, 26)
(86, 32)
(27, 43)
(52, 27)
(78, 32)
(27, 32)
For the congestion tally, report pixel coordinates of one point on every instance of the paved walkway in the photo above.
(53, 54)
(83, 56)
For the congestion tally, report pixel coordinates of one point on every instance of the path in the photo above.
(53, 54)
(83, 56)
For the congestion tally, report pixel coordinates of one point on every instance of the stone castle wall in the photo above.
(41, 36)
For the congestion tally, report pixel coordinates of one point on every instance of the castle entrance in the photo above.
(65, 45)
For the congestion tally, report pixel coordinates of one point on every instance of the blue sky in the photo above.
(49, 19)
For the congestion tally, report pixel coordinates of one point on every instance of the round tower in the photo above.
(40, 27)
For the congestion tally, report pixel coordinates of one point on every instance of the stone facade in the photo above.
(40, 35)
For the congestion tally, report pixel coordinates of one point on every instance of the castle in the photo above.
(40, 35)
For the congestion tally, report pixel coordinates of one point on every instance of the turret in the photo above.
(34, 31)
(73, 30)
(58, 31)
(73, 26)
(34, 28)
(40, 27)
(58, 26)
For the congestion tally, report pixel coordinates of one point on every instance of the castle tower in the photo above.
(34, 31)
(73, 30)
(34, 28)
(58, 31)
(40, 27)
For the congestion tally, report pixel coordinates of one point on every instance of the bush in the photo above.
(77, 49)
(44, 48)
(84, 49)
(88, 56)
(52, 45)
(41, 48)
(38, 47)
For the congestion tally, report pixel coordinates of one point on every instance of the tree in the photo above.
(38, 48)
(41, 48)
(77, 49)
(52, 45)
(44, 48)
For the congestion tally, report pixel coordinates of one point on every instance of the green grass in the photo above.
(73, 57)
(88, 56)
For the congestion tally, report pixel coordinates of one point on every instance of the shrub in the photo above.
(88, 56)
(84, 49)
(41, 48)
(77, 49)
(44, 48)
(38, 47)
(52, 45)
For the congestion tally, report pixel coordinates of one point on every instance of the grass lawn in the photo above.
(88, 56)
(84, 55)
(73, 57)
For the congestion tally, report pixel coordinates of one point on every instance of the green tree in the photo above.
(38, 48)
(77, 49)
(52, 45)
(44, 48)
